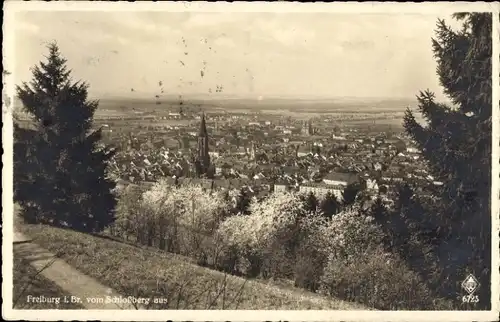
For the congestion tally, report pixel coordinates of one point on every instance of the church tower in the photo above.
(252, 152)
(304, 128)
(203, 156)
(310, 130)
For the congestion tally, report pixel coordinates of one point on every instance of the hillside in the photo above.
(150, 273)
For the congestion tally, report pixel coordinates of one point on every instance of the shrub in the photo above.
(309, 257)
(266, 233)
(378, 280)
(359, 269)
(238, 239)
(342, 256)
(227, 259)
(128, 213)
(177, 219)
(350, 235)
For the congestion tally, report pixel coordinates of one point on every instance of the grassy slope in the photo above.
(147, 273)
(27, 282)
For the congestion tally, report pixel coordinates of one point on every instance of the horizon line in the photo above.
(150, 96)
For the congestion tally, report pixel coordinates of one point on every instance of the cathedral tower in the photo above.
(252, 152)
(203, 156)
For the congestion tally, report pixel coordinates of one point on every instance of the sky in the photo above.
(251, 55)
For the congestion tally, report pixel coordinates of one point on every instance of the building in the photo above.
(281, 187)
(303, 150)
(252, 152)
(307, 128)
(320, 189)
(203, 156)
(214, 154)
(340, 179)
(334, 182)
(372, 185)
(310, 130)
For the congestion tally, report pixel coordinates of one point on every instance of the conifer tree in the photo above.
(404, 194)
(64, 167)
(456, 142)
(243, 202)
(311, 203)
(350, 193)
(378, 210)
(329, 205)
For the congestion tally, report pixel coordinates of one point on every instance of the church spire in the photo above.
(252, 152)
(203, 126)
(203, 159)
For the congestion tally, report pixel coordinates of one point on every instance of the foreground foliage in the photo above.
(278, 239)
(456, 142)
(59, 167)
(142, 272)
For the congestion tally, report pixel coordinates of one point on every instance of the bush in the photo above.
(310, 258)
(177, 219)
(379, 280)
(359, 269)
(227, 259)
(350, 235)
(263, 237)
(147, 273)
(127, 212)
(343, 256)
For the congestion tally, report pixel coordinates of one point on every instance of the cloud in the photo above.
(203, 20)
(225, 41)
(357, 45)
(292, 37)
(281, 30)
(321, 54)
(26, 27)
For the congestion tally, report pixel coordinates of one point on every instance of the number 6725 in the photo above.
(470, 299)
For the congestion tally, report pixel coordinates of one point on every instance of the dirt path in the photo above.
(84, 289)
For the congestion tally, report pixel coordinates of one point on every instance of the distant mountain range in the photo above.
(290, 103)
(319, 103)
(267, 98)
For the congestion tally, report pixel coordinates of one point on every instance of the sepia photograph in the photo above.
(251, 161)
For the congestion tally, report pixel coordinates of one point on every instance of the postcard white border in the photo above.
(441, 8)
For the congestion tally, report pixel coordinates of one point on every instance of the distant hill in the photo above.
(125, 105)
(294, 104)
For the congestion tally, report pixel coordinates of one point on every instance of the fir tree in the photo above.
(243, 202)
(404, 194)
(311, 203)
(350, 193)
(456, 142)
(378, 210)
(329, 205)
(64, 180)
(211, 172)
(229, 211)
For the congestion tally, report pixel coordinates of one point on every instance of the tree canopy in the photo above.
(60, 166)
(456, 141)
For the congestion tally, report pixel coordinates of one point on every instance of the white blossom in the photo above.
(267, 218)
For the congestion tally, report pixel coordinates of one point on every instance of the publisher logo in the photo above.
(470, 284)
